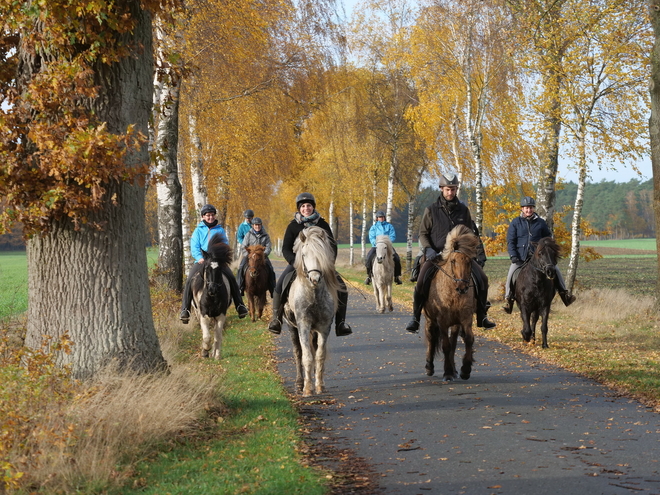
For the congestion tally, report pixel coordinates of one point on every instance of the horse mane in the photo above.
(219, 251)
(461, 238)
(318, 240)
(551, 245)
(385, 239)
(256, 248)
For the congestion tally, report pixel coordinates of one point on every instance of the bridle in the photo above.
(548, 269)
(306, 271)
(456, 280)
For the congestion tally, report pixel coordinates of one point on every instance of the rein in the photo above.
(458, 280)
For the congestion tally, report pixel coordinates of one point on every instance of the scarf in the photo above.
(309, 221)
(212, 224)
(449, 205)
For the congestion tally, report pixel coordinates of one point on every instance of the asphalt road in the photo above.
(517, 426)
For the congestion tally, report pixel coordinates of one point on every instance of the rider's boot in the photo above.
(418, 303)
(341, 327)
(482, 311)
(567, 298)
(397, 280)
(275, 325)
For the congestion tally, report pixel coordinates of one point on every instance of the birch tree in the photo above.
(654, 124)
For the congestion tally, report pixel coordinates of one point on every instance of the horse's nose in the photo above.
(379, 260)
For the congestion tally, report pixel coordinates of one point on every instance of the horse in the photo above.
(256, 280)
(311, 306)
(211, 296)
(383, 273)
(535, 289)
(451, 303)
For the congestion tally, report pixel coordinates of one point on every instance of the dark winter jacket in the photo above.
(522, 233)
(291, 234)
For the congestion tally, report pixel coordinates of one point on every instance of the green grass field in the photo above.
(637, 244)
(13, 283)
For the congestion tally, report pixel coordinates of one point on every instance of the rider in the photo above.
(205, 230)
(256, 235)
(381, 227)
(438, 220)
(525, 231)
(306, 216)
(244, 227)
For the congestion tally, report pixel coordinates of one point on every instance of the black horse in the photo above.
(535, 289)
(211, 296)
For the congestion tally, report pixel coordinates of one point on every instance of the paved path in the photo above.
(517, 426)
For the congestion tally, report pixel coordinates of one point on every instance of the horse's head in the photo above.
(460, 269)
(546, 256)
(255, 258)
(383, 248)
(211, 274)
(460, 248)
(315, 257)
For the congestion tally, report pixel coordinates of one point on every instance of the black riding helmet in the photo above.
(248, 213)
(305, 198)
(256, 221)
(380, 213)
(208, 209)
(527, 201)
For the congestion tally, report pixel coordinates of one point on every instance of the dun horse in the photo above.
(451, 303)
(256, 280)
(211, 297)
(383, 273)
(535, 289)
(311, 305)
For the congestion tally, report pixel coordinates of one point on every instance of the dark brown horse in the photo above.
(256, 280)
(535, 289)
(451, 303)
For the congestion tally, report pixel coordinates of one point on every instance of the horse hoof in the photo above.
(448, 378)
(465, 376)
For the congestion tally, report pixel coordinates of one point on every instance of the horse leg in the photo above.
(206, 335)
(297, 357)
(533, 322)
(307, 360)
(389, 297)
(261, 304)
(526, 330)
(217, 340)
(379, 296)
(431, 346)
(320, 355)
(468, 358)
(544, 326)
(449, 339)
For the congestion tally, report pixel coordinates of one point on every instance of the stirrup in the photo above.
(184, 316)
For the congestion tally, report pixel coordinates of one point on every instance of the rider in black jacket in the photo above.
(525, 231)
(306, 216)
(438, 220)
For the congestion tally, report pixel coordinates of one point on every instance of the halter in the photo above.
(546, 269)
(459, 280)
(306, 271)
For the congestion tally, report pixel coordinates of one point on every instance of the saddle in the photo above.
(514, 277)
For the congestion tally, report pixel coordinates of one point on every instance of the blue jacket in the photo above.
(243, 229)
(381, 228)
(201, 236)
(522, 233)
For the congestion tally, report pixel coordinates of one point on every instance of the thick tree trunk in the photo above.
(196, 166)
(92, 286)
(351, 233)
(654, 126)
(363, 233)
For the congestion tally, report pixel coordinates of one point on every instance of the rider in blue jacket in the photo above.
(381, 227)
(525, 231)
(206, 229)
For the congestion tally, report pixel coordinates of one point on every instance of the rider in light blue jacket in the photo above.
(206, 229)
(381, 227)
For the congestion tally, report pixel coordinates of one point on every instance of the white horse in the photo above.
(311, 305)
(383, 273)
(211, 297)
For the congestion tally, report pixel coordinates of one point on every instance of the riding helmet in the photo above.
(380, 213)
(248, 213)
(208, 209)
(527, 201)
(451, 180)
(305, 198)
(256, 221)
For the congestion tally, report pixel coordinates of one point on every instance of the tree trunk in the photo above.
(654, 126)
(196, 166)
(412, 200)
(92, 286)
(577, 217)
(363, 236)
(350, 233)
